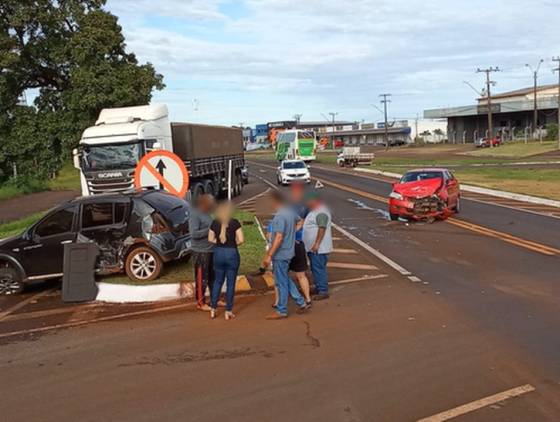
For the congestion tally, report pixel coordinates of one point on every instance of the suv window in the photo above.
(58, 223)
(104, 214)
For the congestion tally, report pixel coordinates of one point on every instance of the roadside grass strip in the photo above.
(479, 404)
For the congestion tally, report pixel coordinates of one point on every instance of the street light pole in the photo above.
(535, 88)
(333, 115)
(384, 101)
(489, 100)
(557, 60)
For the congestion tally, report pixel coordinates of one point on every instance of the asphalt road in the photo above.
(477, 316)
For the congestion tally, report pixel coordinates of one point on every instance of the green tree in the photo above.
(72, 53)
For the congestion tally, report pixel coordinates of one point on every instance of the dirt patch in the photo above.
(22, 206)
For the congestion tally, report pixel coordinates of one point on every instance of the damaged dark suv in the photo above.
(136, 233)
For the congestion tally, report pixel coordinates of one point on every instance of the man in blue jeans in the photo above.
(280, 253)
(317, 237)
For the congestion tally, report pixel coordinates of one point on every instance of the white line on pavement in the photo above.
(354, 280)
(479, 404)
(414, 279)
(375, 252)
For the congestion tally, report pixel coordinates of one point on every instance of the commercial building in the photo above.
(513, 115)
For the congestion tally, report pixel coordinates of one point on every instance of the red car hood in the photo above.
(419, 189)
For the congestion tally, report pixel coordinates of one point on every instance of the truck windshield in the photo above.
(111, 157)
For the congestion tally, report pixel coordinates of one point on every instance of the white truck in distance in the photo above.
(352, 157)
(109, 151)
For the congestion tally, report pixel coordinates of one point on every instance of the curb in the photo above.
(126, 293)
(484, 191)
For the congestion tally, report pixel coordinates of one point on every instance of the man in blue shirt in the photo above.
(280, 253)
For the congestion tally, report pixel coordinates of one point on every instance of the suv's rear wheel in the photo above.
(10, 281)
(143, 264)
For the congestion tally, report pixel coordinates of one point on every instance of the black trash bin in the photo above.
(78, 281)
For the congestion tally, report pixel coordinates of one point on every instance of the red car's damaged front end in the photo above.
(424, 195)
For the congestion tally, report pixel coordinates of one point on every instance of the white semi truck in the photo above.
(109, 151)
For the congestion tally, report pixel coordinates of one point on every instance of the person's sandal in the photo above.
(213, 313)
(229, 315)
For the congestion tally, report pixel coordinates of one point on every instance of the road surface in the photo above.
(446, 320)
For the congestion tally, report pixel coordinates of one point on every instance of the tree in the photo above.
(439, 133)
(73, 54)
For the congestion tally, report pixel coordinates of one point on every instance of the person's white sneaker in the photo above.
(229, 315)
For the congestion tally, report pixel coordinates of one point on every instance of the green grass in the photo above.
(18, 226)
(251, 255)
(68, 178)
(516, 150)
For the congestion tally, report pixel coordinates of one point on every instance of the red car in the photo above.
(485, 142)
(425, 194)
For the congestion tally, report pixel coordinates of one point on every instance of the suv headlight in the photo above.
(396, 195)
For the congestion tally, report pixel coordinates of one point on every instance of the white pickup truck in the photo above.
(352, 157)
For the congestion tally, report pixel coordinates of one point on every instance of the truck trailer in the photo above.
(109, 151)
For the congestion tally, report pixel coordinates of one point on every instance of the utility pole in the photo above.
(489, 98)
(384, 101)
(297, 118)
(557, 60)
(333, 115)
(535, 87)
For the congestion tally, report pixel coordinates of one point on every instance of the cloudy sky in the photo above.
(254, 61)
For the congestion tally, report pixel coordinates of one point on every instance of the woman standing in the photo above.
(226, 233)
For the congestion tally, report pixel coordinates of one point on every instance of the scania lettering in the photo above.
(110, 150)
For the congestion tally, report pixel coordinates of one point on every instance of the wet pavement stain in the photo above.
(313, 341)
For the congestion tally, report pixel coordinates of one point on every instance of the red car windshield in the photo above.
(416, 176)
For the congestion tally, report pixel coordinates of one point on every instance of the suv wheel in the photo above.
(143, 264)
(10, 282)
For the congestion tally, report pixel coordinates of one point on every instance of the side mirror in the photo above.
(76, 158)
(157, 145)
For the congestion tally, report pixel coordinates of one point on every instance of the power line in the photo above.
(557, 69)
(535, 88)
(489, 99)
(385, 101)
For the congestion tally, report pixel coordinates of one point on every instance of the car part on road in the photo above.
(78, 281)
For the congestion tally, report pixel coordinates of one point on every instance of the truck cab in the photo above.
(109, 151)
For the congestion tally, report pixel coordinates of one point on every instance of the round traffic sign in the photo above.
(162, 170)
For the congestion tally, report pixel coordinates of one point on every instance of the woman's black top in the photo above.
(233, 226)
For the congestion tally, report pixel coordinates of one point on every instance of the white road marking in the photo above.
(414, 279)
(479, 404)
(24, 302)
(350, 266)
(344, 251)
(354, 280)
(372, 251)
(252, 198)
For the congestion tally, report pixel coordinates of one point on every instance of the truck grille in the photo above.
(98, 186)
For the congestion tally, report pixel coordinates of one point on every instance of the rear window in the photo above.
(103, 214)
(173, 209)
(415, 176)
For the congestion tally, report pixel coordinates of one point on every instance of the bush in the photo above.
(21, 185)
(552, 131)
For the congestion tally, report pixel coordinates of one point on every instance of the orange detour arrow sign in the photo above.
(162, 170)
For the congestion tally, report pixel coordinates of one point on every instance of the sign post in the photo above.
(162, 170)
(229, 180)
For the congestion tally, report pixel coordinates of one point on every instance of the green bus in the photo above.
(296, 145)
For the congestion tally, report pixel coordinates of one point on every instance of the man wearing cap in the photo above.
(317, 237)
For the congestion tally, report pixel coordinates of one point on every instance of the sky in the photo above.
(254, 61)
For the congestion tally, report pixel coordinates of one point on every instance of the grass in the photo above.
(542, 182)
(18, 226)
(182, 271)
(68, 178)
(516, 150)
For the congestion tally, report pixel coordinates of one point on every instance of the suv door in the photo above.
(452, 188)
(43, 252)
(105, 223)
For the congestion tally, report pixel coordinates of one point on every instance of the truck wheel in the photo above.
(209, 188)
(197, 190)
(10, 281)
(143, 264)
(239, 184)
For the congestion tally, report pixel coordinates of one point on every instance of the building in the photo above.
(261, 133)
(513, 115)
